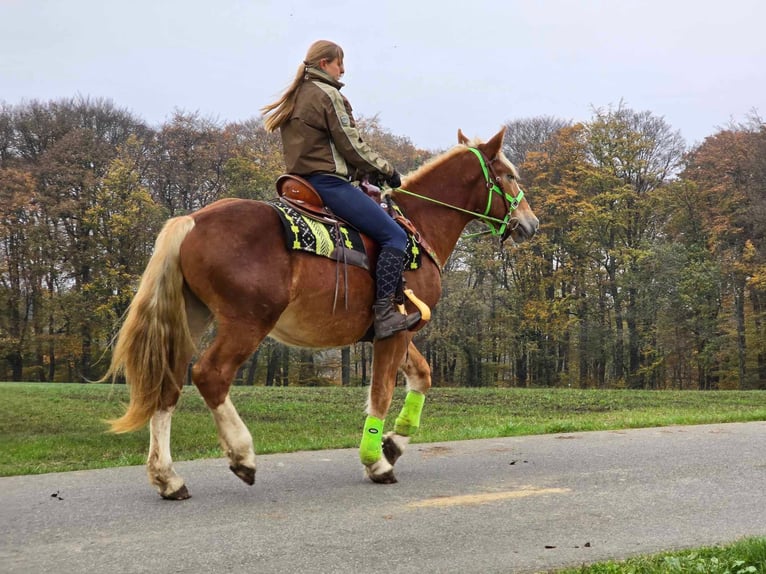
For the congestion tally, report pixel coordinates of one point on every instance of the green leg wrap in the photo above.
(371, 449)
(408, 420)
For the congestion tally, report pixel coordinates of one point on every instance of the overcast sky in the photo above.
(425, 67)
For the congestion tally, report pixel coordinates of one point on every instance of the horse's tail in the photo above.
(155, 337)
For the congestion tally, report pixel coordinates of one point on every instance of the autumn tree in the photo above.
(729, 175)
(636, 153)
(255, 161)
(186, 157)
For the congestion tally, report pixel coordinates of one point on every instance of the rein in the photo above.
(492, 188)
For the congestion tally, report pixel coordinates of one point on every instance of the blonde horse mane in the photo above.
(435, 161)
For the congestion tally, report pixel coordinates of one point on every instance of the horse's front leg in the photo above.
(387, 358)
(418, 375)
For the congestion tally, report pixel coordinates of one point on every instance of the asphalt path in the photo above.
(522, 504)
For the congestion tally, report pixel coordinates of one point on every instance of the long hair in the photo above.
(276, 113)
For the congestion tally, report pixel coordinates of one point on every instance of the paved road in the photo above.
(498, 505)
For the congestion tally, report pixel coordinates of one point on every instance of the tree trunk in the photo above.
(635, 380)
(345, 366)
(739, 317)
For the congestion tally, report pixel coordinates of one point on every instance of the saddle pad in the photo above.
(340, 242)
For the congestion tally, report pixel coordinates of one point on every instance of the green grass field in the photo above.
(60, 427)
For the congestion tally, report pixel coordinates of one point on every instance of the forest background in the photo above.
(649, 270)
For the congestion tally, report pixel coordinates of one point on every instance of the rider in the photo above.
(322, 145)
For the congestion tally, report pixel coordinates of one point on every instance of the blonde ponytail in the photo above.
(276, 113)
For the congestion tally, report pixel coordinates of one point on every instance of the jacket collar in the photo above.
(322, 76)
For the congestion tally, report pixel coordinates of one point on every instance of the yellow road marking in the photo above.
(487, 497)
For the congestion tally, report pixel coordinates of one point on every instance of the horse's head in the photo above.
(505, 208)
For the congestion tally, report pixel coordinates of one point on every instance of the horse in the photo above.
(228, 263)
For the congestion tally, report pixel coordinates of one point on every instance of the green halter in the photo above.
(493, 187)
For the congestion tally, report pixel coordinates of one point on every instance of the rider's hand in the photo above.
(395, 180)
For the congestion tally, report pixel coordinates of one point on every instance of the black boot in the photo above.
(388, 319)
(388, 276)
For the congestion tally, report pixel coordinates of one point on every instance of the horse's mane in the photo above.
(433, 162)
(438, 159)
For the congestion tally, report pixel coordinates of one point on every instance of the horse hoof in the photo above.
(245, 473)
(391, 450)
(180, 494)
(385, 478)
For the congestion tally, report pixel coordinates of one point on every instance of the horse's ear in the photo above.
(461, 139)
(493, 146)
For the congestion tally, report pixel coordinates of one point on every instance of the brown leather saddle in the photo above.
(301, 195)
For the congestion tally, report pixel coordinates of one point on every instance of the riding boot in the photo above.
(388, 319)
(388, 275)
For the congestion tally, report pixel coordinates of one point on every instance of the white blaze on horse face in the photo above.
(233, 435)
(524, 217)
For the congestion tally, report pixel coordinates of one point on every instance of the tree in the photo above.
(255, 162)
(530, 135)
(639, 152)
(186, 163)
(730, 175)
(17, 279)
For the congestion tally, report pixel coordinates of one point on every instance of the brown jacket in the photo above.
(321, 136)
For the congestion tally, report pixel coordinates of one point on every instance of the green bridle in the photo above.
(494, 188)
(496, 226)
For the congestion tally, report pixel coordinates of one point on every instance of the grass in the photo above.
(746, 556)
(59, 427)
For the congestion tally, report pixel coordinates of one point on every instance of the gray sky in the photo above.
(426, 67)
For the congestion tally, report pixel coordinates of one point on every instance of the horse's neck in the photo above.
(441, 226)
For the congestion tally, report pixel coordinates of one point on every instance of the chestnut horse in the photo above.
(228, 263)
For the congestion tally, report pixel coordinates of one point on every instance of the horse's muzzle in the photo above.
(521, 229)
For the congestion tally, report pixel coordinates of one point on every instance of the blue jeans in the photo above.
(353, 205)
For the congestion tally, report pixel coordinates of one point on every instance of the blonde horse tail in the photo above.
(154, 339)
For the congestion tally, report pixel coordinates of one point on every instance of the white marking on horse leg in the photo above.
(415, 382)
(235, 438)
(400, 441)
(380, 471)
(159, 465)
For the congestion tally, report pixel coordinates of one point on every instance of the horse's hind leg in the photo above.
(159, 465)
(418, 375)
(213, 375)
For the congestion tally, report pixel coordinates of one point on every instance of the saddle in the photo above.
(301, 195)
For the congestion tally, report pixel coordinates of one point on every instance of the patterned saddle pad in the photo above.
(340, 241)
